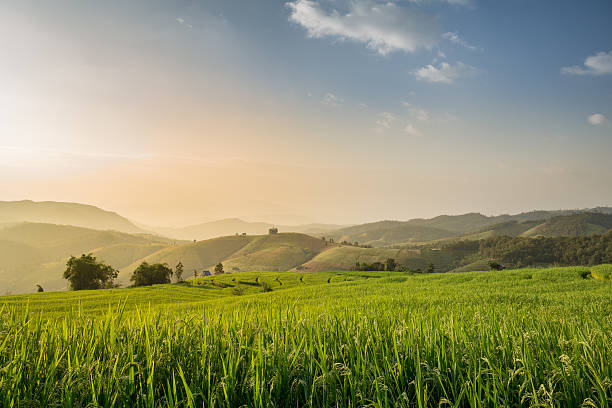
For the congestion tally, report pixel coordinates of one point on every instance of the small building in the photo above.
(273, 231)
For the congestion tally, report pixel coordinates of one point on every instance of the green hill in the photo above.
(231, 226)
(278, 252)
(32, 253)
(572, 225)
(345, 257)
(383, 233)
(476, 226)
(52, 212)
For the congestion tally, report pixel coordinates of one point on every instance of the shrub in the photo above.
(87, 273)
(146, 275)
(265, 287)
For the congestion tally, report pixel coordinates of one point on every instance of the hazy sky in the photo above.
(175, 112)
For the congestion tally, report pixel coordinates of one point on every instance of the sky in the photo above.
(337, 111)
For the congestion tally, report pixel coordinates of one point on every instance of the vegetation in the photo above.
(531, 337)
(178, 271)
(219, 269)
(519, 251)
(603, 272)
(146, 275)
(86, 272)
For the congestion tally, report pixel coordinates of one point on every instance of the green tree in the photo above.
(430, 268)
(390, 264)
(178, 271)
(495, 266)
(219, 269)
(86, 272)
(147, 274)
(39, 288)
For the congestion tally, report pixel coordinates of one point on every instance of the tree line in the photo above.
(87, 272)
(540, 251)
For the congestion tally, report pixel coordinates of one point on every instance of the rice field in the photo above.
(522, 338)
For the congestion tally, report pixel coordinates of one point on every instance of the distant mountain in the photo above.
(32, 253)
(471, 225)
(572, 225)
(80, 215)
(383, 233)
(233, 226)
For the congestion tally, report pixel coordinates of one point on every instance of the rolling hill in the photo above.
(52, 212)
(572, 225)
(232, 226)
(279, 252)
(32, 253)
(473, 226)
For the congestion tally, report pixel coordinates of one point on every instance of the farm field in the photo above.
(528, 337)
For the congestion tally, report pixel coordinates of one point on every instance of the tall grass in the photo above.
(508, 339)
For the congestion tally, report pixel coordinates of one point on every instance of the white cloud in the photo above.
(454, 38)
(333, 100)
(183, 22)
(445, 72)
(597, 119)
(383, 27)
(385, 119)
(412, 131)
(416, 112)
(598, 64)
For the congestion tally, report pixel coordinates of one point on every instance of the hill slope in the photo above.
(231, 226)
(52, 212)
(472, 226)
(32, 253)
(572, 225)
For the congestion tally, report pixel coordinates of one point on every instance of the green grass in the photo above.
(531, 337)
(602, 272)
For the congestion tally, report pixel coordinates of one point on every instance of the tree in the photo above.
(495, 266)
(195, 274)
(219, 269)
(87, 273)
(390, 264)
(430, 268)
(39, 288)
(178, 271)
(146, 274)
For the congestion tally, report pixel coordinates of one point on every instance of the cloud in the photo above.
(445, 73)
(416, 112)
(454, 38)
(383, 27)
(384, 120)
(598, 64)
(597, 119)
(412, 131)
(333, 100)
(182, 21)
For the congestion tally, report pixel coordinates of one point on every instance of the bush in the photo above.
(265, 287)
(146, 275)
(87, 273)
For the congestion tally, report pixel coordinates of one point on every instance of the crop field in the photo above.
(520, 338)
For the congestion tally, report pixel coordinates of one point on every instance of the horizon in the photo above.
(343, 112)
(247, 219)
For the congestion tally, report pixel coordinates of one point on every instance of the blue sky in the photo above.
(441, 106)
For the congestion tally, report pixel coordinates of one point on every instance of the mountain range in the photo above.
(36, 240)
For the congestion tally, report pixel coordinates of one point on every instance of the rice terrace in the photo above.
(528, 337)
(306, 204)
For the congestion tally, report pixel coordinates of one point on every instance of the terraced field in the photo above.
(531, 337)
